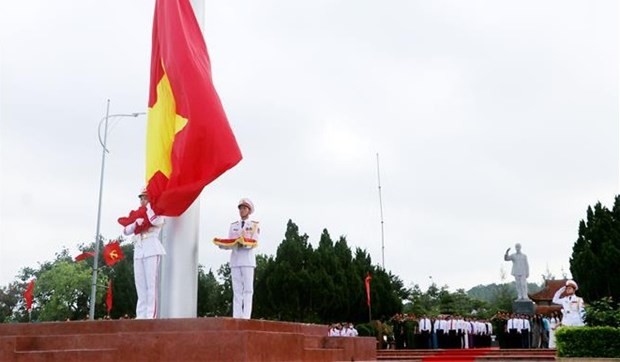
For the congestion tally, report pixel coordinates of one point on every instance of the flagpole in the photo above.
(381, 210)
(178, 293)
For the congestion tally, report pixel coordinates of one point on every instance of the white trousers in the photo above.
(243, 289)
(146, 277)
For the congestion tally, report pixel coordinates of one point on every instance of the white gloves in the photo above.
(129, 229)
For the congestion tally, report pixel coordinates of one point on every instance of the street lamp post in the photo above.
(104, 120)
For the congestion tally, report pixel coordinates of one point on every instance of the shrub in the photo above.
(366, 330)
(603, 342)
(603, 312)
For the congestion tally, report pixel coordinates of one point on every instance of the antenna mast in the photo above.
(381, 210)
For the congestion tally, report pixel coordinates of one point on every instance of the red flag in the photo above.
(133, 216)
(85, 255)
(108, 298)
(189, 141)
(29, 294)
(367, 280)
(112, 253)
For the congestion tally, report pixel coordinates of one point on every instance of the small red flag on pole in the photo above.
(108, 299)
(112, 253)
(367, 281)
(85, 255)
(29, 295)
(368, 278)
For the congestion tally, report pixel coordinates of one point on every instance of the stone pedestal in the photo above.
(523, 307)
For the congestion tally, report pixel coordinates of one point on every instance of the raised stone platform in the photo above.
(201, 339)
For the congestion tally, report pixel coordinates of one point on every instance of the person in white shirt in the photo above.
(441, 329)
(243, 260)
(147, 253)
(513, 327)
(425, 327)
(573, 309)
(334, 331)
(525, 331)
(554, 323)
(351, 331)
(488, 332)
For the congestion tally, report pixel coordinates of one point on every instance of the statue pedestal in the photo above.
(523, 307)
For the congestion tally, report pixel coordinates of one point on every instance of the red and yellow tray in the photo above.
(232, 243)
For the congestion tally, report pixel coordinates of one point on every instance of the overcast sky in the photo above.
(496, 122)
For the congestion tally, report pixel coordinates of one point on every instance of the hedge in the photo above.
(598, 342)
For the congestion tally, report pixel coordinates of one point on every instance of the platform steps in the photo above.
(469, 355)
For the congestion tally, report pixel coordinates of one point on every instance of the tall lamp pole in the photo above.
(104, 120)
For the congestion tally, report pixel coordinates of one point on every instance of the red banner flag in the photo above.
(367, 280)
(108, 298)
(85, 255)
(140, 213)
(189, 140)
(29, 295)
(112, 253)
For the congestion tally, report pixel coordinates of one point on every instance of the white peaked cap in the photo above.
(247, 202)
(572, 283)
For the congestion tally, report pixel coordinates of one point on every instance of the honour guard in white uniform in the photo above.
(243, 260)
(147, 254)
(572, 306)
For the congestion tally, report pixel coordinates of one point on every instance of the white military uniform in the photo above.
(147, 253)
(572, 308)
(242, 264)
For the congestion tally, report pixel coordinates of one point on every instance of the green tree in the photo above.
(210, 298)
(225, 305)
(62, 292)
(291, 276)
(596, 253)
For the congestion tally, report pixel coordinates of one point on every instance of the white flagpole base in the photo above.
(178, 293)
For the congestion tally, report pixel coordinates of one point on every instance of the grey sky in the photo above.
(496, 123)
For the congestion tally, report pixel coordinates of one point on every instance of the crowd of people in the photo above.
(407, 331)
(342, 330)
(523, 331)
(444, 331)
(505, 329)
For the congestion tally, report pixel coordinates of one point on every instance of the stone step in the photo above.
(68, 355)
(170, 325)
(323, 354)
(314, 341)
(65, 342)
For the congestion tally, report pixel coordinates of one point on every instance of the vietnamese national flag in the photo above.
(29, 294)
(189, 141)
(108, 298)
(85, 255)
(112, 253)
(367, 280)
